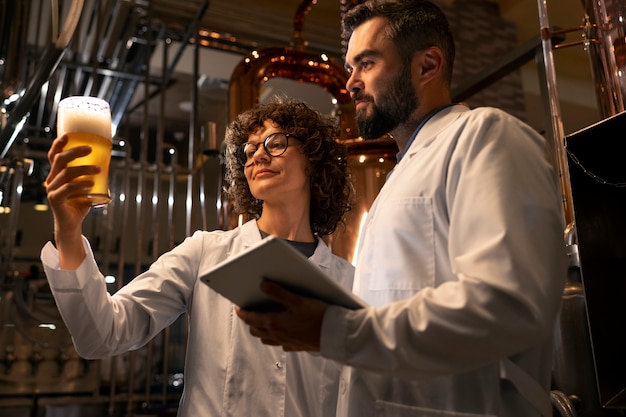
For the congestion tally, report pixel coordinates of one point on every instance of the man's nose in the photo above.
(354, 84)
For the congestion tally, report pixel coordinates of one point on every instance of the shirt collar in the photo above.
(400, 155)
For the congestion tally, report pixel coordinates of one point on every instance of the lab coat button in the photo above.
(279, 365)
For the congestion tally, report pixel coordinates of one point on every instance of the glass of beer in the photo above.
(87, 121)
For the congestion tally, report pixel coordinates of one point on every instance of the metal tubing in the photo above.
(607, 49)
(573, 368)
(191, 153)
(556, 123)
(45, 68)
(17, 182)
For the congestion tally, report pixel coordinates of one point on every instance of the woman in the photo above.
(285, 169)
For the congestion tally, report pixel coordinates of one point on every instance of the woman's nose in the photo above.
(260, 154)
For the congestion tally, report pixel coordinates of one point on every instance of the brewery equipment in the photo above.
(589, 369)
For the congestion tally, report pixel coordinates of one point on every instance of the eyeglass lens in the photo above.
(274, 145)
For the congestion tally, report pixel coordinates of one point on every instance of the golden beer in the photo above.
(87, 121)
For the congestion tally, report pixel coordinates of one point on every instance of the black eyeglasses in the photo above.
(274, 145)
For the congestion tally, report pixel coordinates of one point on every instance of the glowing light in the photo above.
(122, 197)
(50, 326)
(138, 198)
(155, 199)
(362, 158)
(40, 207)
(110, 279)
(324, 57)
(358, 237)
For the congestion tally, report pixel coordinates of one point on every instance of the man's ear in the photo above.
(430, 62)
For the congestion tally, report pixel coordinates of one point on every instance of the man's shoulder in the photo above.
(491, 114)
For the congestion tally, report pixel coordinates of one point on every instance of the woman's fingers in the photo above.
(70, 175)
(59, 158)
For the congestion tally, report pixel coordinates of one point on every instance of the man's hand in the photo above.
(296, 328)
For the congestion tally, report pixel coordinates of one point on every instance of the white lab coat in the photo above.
(227, 371)
(463, 260)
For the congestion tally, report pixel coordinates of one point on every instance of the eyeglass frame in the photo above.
(241, 154)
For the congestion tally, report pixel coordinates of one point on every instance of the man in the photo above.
(462, 257)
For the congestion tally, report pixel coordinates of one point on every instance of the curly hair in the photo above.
(327, 169)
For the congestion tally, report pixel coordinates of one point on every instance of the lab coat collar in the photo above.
(251, 235)
(433, 127)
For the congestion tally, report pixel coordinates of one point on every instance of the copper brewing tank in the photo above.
(294, 64)
(606, 33)
(370, 161)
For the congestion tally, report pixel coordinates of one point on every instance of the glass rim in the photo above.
(69, 100)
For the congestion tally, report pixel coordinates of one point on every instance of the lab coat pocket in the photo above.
(387, 409)
(402, 255)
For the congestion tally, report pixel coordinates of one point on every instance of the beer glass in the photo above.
(87, 121)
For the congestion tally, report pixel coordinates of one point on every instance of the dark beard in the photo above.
(393, 108)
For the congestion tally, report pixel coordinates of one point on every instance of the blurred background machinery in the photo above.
(176, 72)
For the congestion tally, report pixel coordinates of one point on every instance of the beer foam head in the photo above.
(84, 114)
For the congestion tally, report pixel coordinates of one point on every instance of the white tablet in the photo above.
(238, 278)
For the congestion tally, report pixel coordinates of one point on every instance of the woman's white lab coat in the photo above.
(227, 371)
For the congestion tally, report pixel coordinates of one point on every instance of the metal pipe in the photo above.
(13, 33)
(125, 173)
(17, 170)
(44, 70)
(605, 35)
(139, 206)
(170, 200)
(192, 144)
(556, 123)
(573, 371)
